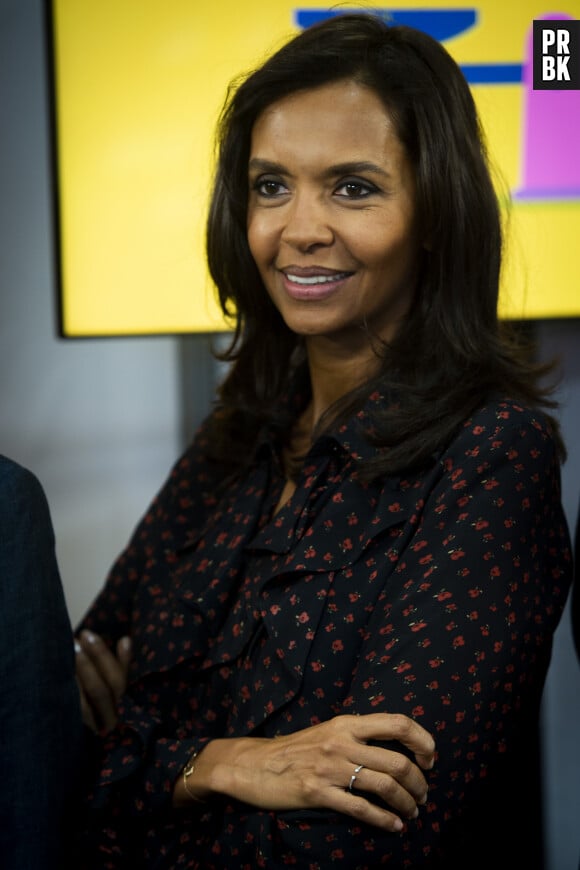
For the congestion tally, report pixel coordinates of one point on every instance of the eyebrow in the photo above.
(351, 167)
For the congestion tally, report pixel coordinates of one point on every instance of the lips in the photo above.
(311, 280)
(312, 283)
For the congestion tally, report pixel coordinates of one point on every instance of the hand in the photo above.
(101, 678)
(313, 768)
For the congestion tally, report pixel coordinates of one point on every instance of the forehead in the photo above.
(338, 117)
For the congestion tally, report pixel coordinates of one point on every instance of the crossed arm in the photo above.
(309, 769)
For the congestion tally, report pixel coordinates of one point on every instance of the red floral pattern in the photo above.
(435, 595)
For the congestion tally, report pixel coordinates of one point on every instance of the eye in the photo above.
(269, 187)
(355, 188)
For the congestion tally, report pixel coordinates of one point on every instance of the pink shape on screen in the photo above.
(551, 135)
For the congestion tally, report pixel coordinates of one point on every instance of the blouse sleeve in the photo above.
(135, 765)
(461, 638)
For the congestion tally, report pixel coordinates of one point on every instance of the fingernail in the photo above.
(88, 635)
(415, 814)
(78, 647)
(397, 825)
(125, 643)
(424, 798)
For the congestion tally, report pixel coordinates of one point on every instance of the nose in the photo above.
(307, 223)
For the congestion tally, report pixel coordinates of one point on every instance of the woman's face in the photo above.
(331, 213)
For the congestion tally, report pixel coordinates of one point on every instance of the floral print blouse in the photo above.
(434, 594)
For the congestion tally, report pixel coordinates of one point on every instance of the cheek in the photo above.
(251, 235)
(395, 246)
(260, 236)
(379, 249)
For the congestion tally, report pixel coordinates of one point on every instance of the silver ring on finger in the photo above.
(353, 777)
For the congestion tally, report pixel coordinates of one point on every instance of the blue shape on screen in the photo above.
(441, 24)
(492, 73)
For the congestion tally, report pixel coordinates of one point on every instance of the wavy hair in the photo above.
(451, 351)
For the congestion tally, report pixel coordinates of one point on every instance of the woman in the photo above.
(362, 558)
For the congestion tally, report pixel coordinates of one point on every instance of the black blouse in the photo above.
(435, 595)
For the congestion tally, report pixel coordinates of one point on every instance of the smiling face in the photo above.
(331, 213)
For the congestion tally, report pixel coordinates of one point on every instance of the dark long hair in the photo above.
(451, 351)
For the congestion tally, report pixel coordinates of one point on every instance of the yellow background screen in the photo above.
(138, 87)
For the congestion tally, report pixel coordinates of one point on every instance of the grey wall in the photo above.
(561, 719)
(98, 421)
(101, 421)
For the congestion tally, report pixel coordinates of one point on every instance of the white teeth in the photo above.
(316, 279)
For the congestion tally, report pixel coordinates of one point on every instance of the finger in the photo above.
(395, 766)
(370, 772)
(124, 653)
(105, 662)
(364, 811)
(396, 726)
(426, 761)
(402, 787)
(96, 691)
(86, 712)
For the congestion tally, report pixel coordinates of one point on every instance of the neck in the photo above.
(334, 372)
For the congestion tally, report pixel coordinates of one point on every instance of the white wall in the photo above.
(101, 421)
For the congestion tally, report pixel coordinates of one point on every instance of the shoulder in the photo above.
(504, 433)
(24, 506)
(18, 484)
(193, 481)
(198, 459)
(14, 474)
(507, 416)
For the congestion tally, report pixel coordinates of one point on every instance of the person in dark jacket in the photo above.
(40, 715)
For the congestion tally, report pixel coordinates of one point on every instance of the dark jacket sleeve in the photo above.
(40, 721)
